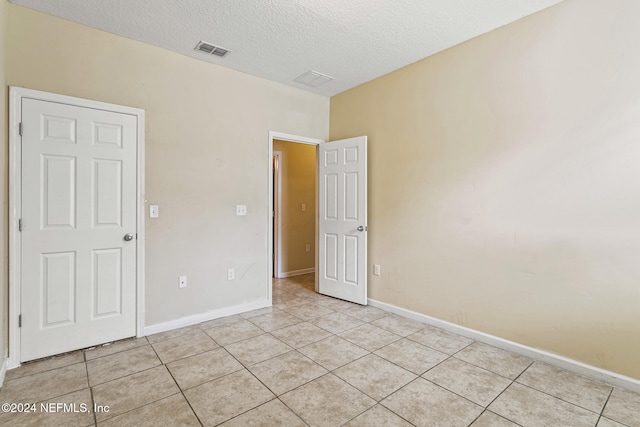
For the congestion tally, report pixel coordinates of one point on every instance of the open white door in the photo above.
(342, 226)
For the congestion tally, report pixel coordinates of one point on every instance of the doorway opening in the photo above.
(294, 208)
(293, 189)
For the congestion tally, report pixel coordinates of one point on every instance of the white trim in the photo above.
(3, 370)
(195, 319)
(15, 212)
(140, 225)
(286, 274)
(533, 353)
(277, 214)
(291, 138)
(15, 204)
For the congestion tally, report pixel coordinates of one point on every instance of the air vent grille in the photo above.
(313, 78)
(212, 49)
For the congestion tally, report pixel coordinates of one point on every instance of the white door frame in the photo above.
(277, 208)
(15, 204)
(289, 138)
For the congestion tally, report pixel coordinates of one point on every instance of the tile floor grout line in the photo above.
(476, 418)
(111, 343)
(488, 370)
(343, 365)
(435, 366)
(372, 353)
(497, 415)
(281, 327)
(505, 389)
(265, 385)
(391, 410)
(296, 388)
(188, 328)
(453, 392)
(57, 395)
(129, 375)
(357, 415)
(598, 420)
(44, 359)
(498, 396)
(93, 401)
(559, 398)
(351, 385)
(266, 333)
(604, 406)
(364, 392)
(292, 411)
(182, 393)
(142, 406)
(432, 348)
(251, 409)
(242, 366)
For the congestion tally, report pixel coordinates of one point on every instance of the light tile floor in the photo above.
(309, 360)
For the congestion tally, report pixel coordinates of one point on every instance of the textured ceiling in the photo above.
(353, 41)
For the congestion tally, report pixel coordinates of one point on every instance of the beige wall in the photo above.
(207, 149)
(504, 182)
(4, 95)
(298, 185)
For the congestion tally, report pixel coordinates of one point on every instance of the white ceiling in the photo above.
(353, 41)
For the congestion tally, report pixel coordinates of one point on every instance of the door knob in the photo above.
(128, 237)
(360, 228)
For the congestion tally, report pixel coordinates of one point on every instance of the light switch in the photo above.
(153, 211)
(241, 210)
(303, 207)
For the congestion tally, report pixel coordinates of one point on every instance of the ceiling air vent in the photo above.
(212, 49)
(313, 78)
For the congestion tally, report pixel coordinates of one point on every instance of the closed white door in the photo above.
(342, 176)
(78, 233)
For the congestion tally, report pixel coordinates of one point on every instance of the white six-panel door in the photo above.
(78, 269)
(342, 226)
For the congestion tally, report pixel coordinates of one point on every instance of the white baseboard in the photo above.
(204, 317)
(3, 370)
(533, 353)
(286, 274)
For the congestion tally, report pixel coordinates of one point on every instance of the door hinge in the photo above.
(20, 128)
(19, 320)
(20, 224)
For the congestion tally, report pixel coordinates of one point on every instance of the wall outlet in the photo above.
(231, 274)
(376, 269)
(182, 281)
(241, 210)
(307, 247)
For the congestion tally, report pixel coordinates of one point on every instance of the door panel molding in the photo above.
(343, 219)
(64, 131)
